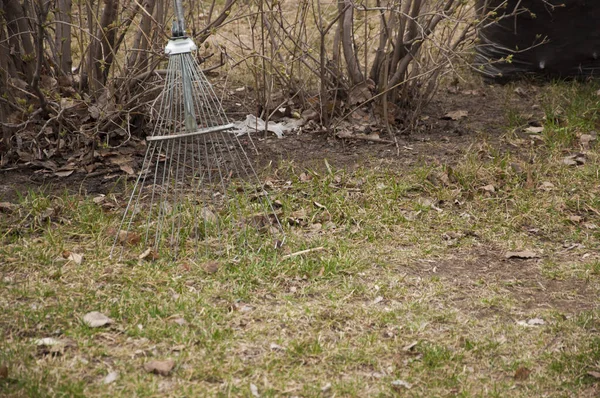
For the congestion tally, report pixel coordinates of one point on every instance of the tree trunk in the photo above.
(138, 59)
(102, 52)
(20, 40)
(62, 16)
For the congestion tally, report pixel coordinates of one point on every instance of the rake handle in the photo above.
(179, 24)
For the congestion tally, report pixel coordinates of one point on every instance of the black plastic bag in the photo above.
(551, 38)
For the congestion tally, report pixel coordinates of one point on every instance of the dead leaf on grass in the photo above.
(208, 216)
(488, 188)
(586, 139)
(575, 160)
(304, 177)
(254, 390)
(128, 238)
(377, 300)
(575, 219)
(99, 199)
(50, 345)
(455, 115)
(276, 347)
(326, 387)
(3, 371)
(211, 267)
(75, 257)
(398, 384)
(7, 207)
(320, 206)
(532, 322)
(595, 375)
(522, 374)
(96, 319)
(534, 130)
(110, 378)
(525, 254)
(546, 186)
(149, 254)
(162, 368)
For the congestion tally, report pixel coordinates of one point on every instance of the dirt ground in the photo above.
(435, 141)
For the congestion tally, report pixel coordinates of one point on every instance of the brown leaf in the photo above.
(522, 374)
(534, 130)
(525, 254)
(128, 237)
(456, 115)
(64, 173)
(7, 207)
(595, 375)
(149, 254)
(488, 188)
(320, 206)
(162, 368)
(211, 267)
(96, 319)
(304, 177)
(546, 186)
(575, 219)
(3, 371)
(127, 169)
(75, 257)
(586, 139)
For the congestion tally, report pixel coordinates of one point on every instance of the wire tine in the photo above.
(197, 168)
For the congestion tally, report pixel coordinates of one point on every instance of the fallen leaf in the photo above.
(276, 347)
(575, 219)
(377, 300)
(575, 160)
(207, 215)
(396, 384)
(210, 267)
(127, 169)
(304, 177)
(585, 139)
(99, 199)
(532, 322)
(75, 257)
(179, 321)
(64, 173)
(595, 375)
(254, 390)
(522, 374)
(96, 319)
(3, 371)
(7, 207)
(546, 186)
(145, 254)
(534, 130)
(456, 115)
(526, 254)
(129, 238)
(110, 378)
(326, 387)
(536, 322)
(50, 345)
(520, 91)
(162, 368)
(320, 206)
(488, 188)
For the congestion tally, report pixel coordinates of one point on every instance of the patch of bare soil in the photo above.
(517, 279)
(436, 139)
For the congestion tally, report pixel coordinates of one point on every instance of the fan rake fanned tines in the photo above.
(197, 191)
